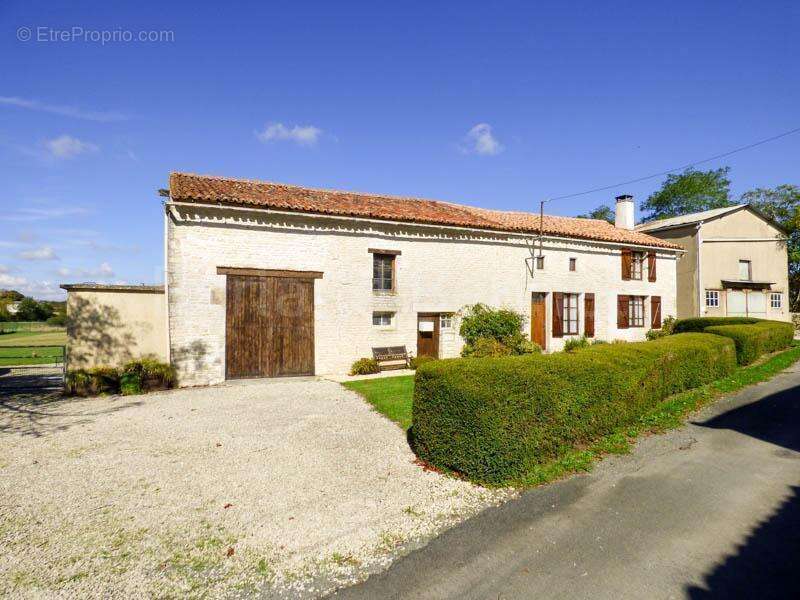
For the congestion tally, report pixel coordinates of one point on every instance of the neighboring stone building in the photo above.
(735, 263)
(266, 279)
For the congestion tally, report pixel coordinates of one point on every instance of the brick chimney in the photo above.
(624, 218)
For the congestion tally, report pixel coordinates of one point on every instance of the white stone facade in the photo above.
(440, 270)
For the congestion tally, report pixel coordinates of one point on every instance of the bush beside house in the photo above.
(494, 419)
(136, 377)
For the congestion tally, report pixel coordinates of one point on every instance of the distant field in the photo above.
(55, 337)
(38, 347)
(11, 326)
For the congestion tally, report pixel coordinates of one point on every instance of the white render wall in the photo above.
(439, 270)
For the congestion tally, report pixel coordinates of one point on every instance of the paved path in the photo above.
(708, 511)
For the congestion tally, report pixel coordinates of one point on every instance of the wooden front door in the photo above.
(428, 335)
(269, 326)
(539, 319)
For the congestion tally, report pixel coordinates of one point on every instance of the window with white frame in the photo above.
(570, 323)
(636, 311)
(712, 298)
(776, 300)
(382, 319)
(446, 321)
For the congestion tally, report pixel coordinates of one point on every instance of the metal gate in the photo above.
(32, 367)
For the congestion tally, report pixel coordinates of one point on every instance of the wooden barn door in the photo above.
(269, 325)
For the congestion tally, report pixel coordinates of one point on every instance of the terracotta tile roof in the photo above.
(186, 187)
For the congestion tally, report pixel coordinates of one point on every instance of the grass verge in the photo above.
(669, 414)
(390, 396)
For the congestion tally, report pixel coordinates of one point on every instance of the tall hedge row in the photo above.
(754, 340)
(493, 419)
(753, 337)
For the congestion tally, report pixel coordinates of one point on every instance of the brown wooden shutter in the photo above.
(622, 311)
(655, 312)
(627, 257)
(651, 266)
(588, 311)
(558, 314)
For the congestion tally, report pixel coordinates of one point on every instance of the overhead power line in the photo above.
(683, 168)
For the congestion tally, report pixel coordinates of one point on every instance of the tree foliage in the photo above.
(688, 192)
(603, 212)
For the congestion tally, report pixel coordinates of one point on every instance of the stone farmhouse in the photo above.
(267, 280)
(735, 264)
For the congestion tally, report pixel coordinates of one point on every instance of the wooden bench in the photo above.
(391, 357)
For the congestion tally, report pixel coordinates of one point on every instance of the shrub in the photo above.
(486, 347)
(130, 384)
(666, 329)
(152, 374)
(481, 321)
(519, 344)
(365, 366)
(752, 341)
(572, 344)
(417, 361)
(494, 419)
(92, 382)
(59, 320)
(698, 324)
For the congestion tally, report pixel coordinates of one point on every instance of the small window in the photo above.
(383, 272)
(540, 262)
(572, 263)
(382, 319)
(776, 300)
(745, 270)
(636, 311)
(637, 264)
(446, 321)
(712, 298)
(570, 322)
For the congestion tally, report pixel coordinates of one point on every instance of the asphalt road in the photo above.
(708, 511)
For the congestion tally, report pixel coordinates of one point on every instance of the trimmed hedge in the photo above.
(753, 337)
(699, 324)
(752, 341)
(137, 376)
(493, 419)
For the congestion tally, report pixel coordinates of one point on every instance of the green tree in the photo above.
(602, 212)
(31, 310)
(688, 192)
(782, 205)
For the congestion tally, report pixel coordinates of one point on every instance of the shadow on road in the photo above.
(766, 564)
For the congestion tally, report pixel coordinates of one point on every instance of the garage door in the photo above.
(737, 304)
(269, 325)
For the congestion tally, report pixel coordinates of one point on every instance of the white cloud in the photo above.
(104, 271)
(41, 253)
(3, 269)
(306, 135)
(481, 140)
(65, 111)
(66, 146)
(63, 271)
(41, 214)
(11, 281)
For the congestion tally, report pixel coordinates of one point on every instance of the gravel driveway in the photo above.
(270, 488)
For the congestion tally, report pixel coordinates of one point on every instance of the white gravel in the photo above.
(270, 488)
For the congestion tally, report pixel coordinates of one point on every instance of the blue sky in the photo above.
(495, 106)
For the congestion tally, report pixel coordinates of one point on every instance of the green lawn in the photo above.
(38, 347)
(57, 337)
(391, 396)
